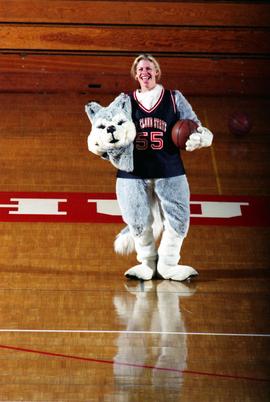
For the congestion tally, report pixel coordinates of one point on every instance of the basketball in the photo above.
(181, 132)
(239, 123)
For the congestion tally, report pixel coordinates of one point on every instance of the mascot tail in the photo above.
(124, 243)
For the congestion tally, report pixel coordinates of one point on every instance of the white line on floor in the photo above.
(97, 331)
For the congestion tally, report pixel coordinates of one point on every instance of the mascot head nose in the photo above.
(111, 129)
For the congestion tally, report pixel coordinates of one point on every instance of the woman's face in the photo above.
(146, 74)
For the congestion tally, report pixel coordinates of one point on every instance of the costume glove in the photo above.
(201, 138)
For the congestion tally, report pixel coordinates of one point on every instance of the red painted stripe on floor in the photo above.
(145, 366)
(103, 208)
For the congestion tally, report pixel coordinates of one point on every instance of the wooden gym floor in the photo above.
(72, 328)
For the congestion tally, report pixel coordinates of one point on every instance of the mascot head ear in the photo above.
(91, 110)
(122, 102)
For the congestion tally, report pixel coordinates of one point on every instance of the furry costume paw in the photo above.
(177, 272)
(143, 271)
(202, 138)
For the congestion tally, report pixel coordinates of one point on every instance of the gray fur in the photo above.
(122, 158)
(113, 131)
(151, 202)
(184, 108)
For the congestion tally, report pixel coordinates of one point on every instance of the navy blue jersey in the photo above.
(155, 155)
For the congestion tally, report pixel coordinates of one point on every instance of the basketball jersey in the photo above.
(154, 155)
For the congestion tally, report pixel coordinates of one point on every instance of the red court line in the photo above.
(89, 359)
(70, 207)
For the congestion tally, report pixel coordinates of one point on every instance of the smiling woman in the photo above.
(158, 175)
(146, 70)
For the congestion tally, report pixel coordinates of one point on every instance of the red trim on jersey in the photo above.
(154, 107)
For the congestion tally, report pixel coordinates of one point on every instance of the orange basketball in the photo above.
(181, 132)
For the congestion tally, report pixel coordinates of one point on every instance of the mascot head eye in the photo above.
(101, 126)
(121, 122)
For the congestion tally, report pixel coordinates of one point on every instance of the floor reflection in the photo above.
(154, 358)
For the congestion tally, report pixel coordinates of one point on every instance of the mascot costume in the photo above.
(151, 207)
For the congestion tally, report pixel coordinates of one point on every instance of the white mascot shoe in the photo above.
(168, 257)
(146, 255)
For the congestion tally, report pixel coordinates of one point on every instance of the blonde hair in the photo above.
(145, 56)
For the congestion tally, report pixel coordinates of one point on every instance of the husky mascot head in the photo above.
(113, 131)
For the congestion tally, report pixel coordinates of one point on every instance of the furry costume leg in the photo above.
(169, 255)
(134, 199)
(146, 255)
(174, 196)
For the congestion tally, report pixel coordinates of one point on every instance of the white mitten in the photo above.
(202, 138)
(193, 142)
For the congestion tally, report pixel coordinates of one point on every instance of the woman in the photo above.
(159, 172)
